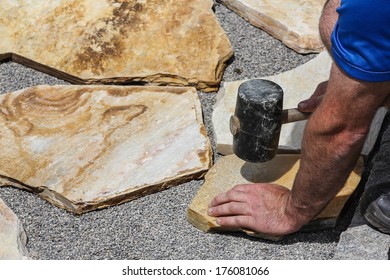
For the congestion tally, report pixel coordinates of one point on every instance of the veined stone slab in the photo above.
(88, 147)
(294, 22)
(298, 84)
(13, 238)
(230, 171)
(117, 41)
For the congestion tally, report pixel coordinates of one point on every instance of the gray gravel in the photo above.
(155, 226)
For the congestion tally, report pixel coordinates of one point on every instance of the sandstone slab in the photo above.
(89, 147)
(13, 238)
(295, 23)
(117, 41)
(230, 171)
(298, 84)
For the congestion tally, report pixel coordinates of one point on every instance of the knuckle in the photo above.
(231, 207)
(241, 188)
(243, 222)
(231, 194)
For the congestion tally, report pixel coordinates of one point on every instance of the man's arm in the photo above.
(332, 142)
(328, 20)
(333, 139)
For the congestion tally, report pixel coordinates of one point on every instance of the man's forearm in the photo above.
(327, 159)
(332, 142)
(335, 134)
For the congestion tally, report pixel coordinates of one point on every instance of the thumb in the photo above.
(310, 105)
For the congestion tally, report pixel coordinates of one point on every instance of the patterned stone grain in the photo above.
(117, 41)
(88, 147)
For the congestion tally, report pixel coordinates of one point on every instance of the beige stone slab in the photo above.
(13, 238)
(89, 147)
(298, 84)
(230, 171)
(294, 22)
(117, 41)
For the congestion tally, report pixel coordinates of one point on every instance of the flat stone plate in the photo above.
(230, 171)
(89, 147)
(294, 22)
(117, 41)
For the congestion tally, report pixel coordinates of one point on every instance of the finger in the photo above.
(235, 222)
(232, 195)
(229, 209)
(311, 104)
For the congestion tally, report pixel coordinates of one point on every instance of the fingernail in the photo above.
(302, 105)
(210, 211)
(218, 221)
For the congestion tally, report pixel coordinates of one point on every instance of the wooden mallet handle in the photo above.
(293, 115)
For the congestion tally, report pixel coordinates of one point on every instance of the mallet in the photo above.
(258, 118)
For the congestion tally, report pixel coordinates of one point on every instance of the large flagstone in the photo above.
(294, 22)
(117, 41)
(13, 238)
(229, 171)
(89, 147)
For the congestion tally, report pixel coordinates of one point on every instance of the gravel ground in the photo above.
(155, 226)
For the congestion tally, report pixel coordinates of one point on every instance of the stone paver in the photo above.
(89, 147)
(101, 41)
(229, 171)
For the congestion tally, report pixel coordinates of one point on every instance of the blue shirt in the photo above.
(361, 39)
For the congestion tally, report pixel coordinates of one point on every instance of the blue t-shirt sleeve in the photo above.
(361, 39)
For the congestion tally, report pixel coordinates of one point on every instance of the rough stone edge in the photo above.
(260, 20)
(162, 79)
(21, 238)
(79, 208)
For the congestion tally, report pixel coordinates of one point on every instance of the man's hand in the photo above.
(263, 208)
